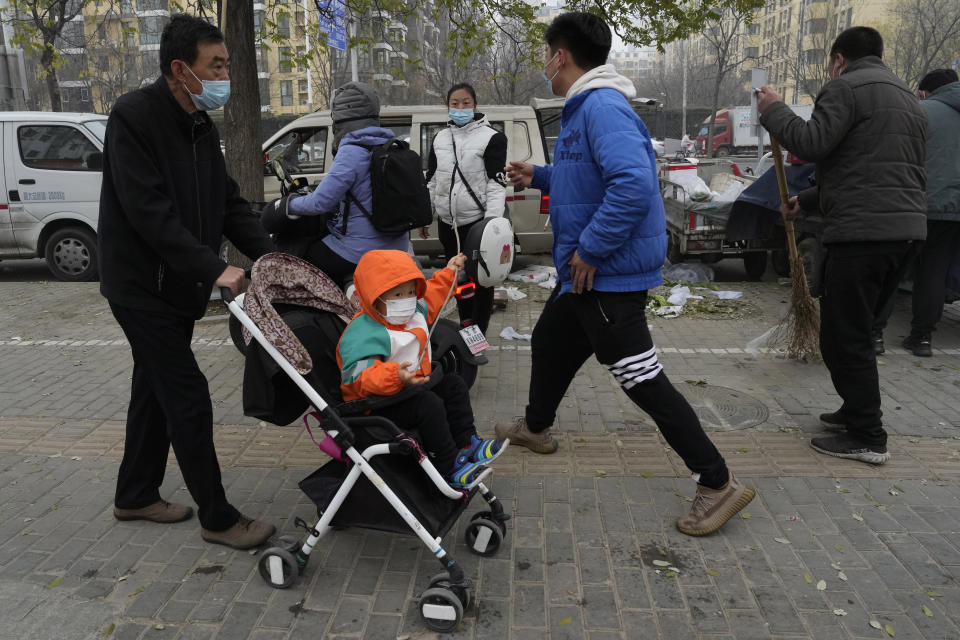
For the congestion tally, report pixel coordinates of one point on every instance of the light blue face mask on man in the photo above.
(461, 117)
(214, 95)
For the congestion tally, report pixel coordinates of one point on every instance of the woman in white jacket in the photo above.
(466, 182)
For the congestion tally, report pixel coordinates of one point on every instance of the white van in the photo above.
(52, 168)
(305, 146)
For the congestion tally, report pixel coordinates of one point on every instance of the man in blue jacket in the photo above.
(609, 245)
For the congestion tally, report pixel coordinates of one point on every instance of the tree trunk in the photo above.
(241, 122)
(53, 87)
(713, 114)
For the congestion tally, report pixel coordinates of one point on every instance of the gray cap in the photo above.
(355, 106)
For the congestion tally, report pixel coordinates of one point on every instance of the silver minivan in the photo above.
(52, 169)
(305, 146)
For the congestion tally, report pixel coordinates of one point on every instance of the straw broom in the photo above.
(800, 328)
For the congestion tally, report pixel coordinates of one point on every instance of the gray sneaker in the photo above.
(520, 435)
(713, 507)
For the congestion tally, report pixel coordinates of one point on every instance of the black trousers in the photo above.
(330, 262)
(930, 279)
(613, 326)
(478, 308)
(169, 405)
(859, 280)
(441, 416)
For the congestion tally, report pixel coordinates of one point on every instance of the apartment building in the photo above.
(636, 63)
(789, 38)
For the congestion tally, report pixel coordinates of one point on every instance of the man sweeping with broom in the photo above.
(867, 136)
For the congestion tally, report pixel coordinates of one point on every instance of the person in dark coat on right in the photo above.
(867, 136)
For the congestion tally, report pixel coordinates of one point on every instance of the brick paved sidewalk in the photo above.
(589, 524)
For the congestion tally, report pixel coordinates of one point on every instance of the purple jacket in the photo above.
(350, 172)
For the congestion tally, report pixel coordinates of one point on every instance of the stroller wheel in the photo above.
(278, 567)
(440, 610)
(488, 515)
(462, 591)
(483, 536)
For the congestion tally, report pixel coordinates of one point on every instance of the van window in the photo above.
(429, 131)
(97, 127)
(302, 150)
(399, 125)
(521, 142)
(57, 147)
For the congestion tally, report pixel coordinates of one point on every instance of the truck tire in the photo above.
(673, 250)
(71, 254)
(780, 261)
(723, 152)
(755, 264)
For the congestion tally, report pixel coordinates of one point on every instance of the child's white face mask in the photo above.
(400, 310)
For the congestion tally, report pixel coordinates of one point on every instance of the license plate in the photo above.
(474, 339)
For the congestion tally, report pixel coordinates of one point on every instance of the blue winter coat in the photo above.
(605, 198)
(350, 171)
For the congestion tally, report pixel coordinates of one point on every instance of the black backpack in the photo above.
(401, 201)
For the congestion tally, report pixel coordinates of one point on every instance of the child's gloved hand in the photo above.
(457, 262)
(408, 377)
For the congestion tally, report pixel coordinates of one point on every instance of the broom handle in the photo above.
(784, 195)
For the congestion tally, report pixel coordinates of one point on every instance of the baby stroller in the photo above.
(376, 477)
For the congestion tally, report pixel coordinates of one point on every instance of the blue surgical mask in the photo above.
(461, 117)
(549, 79)
(214, 95)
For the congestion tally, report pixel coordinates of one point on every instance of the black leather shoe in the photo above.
(918, 345)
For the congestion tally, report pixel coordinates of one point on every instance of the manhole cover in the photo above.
(723, 409)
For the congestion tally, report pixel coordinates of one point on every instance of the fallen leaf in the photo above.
(889, 630)
(55, 582)
(926, 611)
(108, 630)
(563, 621)
(842, 575)
(838, 548)
(782, 540)
(875, 624)
(745, 515)
(808, 578)
(661, 563)
(670, 574)
(661, 551)
(843, 490)
(839, 612)
(711, 572)
(835, 566)
(899, 489)
(601, 473)
(858, 517)
(894, 492)
(78, 458)
(742, 450)
(869, 497)
(135, 592)
(159, 627)
(122, 578)
(822, 585)
(755, 548)
(645, 474)
(674, 569)
(934, 594)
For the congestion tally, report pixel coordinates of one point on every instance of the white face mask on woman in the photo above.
(400, 310)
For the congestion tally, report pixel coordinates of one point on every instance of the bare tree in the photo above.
(723, 38)
(37, 29)
(925, 36)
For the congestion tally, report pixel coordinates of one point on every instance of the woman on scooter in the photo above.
(466, 183)
(348, 232)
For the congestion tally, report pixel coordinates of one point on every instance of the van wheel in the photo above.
(723, 152)
(71, 254)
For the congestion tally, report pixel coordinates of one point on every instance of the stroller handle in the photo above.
(226, 295)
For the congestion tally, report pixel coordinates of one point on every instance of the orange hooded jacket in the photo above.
(371, 349)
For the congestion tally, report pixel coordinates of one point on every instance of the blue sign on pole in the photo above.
(332, 23)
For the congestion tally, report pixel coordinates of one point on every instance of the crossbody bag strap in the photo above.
(463, 178)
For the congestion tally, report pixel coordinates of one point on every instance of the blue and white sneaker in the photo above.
(483, 451)
(465, 473)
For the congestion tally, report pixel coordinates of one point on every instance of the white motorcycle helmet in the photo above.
(490, 250)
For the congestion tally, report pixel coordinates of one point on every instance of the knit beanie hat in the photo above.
(355, 106)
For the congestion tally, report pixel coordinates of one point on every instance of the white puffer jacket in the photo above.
(471, 143)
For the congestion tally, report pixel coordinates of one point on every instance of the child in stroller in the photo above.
(379, 477)
(385, 349)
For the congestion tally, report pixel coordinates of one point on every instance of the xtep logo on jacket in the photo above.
(571, 139)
